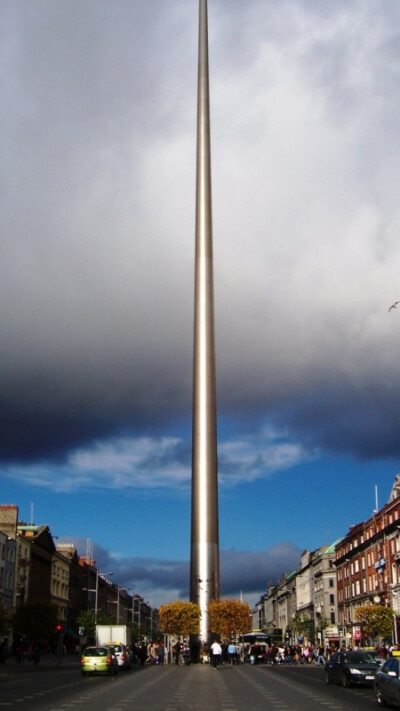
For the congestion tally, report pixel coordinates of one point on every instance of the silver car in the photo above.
(123, 656)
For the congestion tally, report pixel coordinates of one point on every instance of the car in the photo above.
(387, 683)
(347, 668)
(123, 656)
(377, 657)
(99, 660)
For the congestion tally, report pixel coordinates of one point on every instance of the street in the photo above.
(184, 688)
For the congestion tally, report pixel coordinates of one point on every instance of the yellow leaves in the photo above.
(180, 618)
(229, 617)
(376, 620)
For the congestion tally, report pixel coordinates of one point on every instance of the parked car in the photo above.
(378, 658)
(348, 668)
(123, 656)
(387, 683)
(99, 660)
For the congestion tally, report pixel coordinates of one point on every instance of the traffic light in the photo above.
(58, 628)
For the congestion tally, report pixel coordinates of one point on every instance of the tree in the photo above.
(322, 624)
(86, 619)
(36, 621)
(229, 618)
(376, 620)
(180, 618)
(303, 625)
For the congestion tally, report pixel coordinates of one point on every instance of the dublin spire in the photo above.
(204, 561)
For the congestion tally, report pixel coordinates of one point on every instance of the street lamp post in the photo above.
(97, 592)
(151, 619)
(394, 608)
(139, 606)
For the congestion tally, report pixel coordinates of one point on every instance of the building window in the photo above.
(332, 618)
(331, 583)
(331, 599)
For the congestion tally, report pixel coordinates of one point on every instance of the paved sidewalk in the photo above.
(46, 663)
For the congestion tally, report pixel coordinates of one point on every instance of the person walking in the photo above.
(216, 651)
(160, 653)
(142, 654)
(177, 650)
(232, 653)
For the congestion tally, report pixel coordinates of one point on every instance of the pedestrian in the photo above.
(160, 652)
(232, 653)
(216, 651)
(195, 651)
(177, 652)
(142, 654)
(152, 650)
(19, 653)
(321, 658)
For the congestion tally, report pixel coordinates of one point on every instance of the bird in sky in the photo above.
(393, 306)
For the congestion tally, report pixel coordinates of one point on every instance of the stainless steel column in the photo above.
(204, 563)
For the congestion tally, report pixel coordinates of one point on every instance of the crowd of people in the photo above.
(229, 652)
(260, 653)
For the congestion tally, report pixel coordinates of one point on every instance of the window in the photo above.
(331, 599)
(331, 583)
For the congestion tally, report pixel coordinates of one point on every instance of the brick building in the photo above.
(368, 566)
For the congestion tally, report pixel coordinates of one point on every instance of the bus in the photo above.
(269, 635)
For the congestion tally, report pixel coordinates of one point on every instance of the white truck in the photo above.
(119, 638)
(113, 634)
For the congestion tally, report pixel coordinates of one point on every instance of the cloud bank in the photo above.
(164, 580)
(97, 222)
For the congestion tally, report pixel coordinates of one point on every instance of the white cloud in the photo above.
(146, 463)
(259, 456)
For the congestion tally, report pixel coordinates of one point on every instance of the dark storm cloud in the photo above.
(254, 569)
(340, 418)
(97, 222)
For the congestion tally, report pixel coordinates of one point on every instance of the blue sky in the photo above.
(96, 276)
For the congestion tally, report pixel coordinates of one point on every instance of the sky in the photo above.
(97, 215)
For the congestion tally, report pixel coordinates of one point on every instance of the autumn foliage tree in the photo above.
(376, 620)
(229, 617)
(180, 618)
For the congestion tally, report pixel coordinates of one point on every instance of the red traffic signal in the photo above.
(59, 628)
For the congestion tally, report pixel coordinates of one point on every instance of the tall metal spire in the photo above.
(204, 562)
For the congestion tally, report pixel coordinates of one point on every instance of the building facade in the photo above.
(368, 567)
(303, 604)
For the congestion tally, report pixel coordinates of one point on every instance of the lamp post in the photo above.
(118, 603)
(394, 608)
(97, 592)
(118, 589)
(132, 609)
(139, 606)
